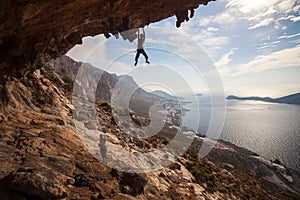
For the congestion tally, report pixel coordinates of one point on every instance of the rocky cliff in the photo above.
(43, 156)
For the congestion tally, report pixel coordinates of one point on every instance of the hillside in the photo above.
(289, 99)
(67, 69)
(45, 156)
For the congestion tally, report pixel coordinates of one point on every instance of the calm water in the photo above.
(269, 129)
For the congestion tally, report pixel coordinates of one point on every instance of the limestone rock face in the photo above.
(44, 156)
(34, 31)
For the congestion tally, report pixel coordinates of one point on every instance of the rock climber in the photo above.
(140, 48)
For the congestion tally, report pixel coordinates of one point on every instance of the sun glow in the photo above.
(247, 6)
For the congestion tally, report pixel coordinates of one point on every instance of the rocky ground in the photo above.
(43, 155)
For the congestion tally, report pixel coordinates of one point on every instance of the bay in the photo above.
(268, 129)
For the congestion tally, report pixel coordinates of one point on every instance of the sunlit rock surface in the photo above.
(44, 156)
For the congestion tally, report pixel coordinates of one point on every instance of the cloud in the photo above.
(285, 18)
(289, 57)
(209, 38)
(225, 59)
(94, 51)
(291, 18)
(296, 8)
(212, 29)
(262, 6)
(211, 42)
(246, 6)
(262, 23)
(295, 19)
(222, 18)
(243, 17)
(268, 44)
(288, 36)
(268, 47)
(260, 12)
(262, 15)
(286, 6)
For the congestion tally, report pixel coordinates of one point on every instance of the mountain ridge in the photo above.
(289, 99)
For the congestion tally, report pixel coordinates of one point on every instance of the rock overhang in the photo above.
(35, 31)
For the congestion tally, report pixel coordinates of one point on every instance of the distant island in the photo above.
(290, 99)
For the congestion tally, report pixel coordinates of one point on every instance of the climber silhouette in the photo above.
(102, 140)
(140, 49)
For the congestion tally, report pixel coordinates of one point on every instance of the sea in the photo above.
(271, 130)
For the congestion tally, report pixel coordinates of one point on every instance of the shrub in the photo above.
(67, 79)
(203, 174)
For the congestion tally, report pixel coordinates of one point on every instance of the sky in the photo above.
(243, 47)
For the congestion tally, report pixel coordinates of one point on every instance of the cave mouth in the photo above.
(34, 32)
